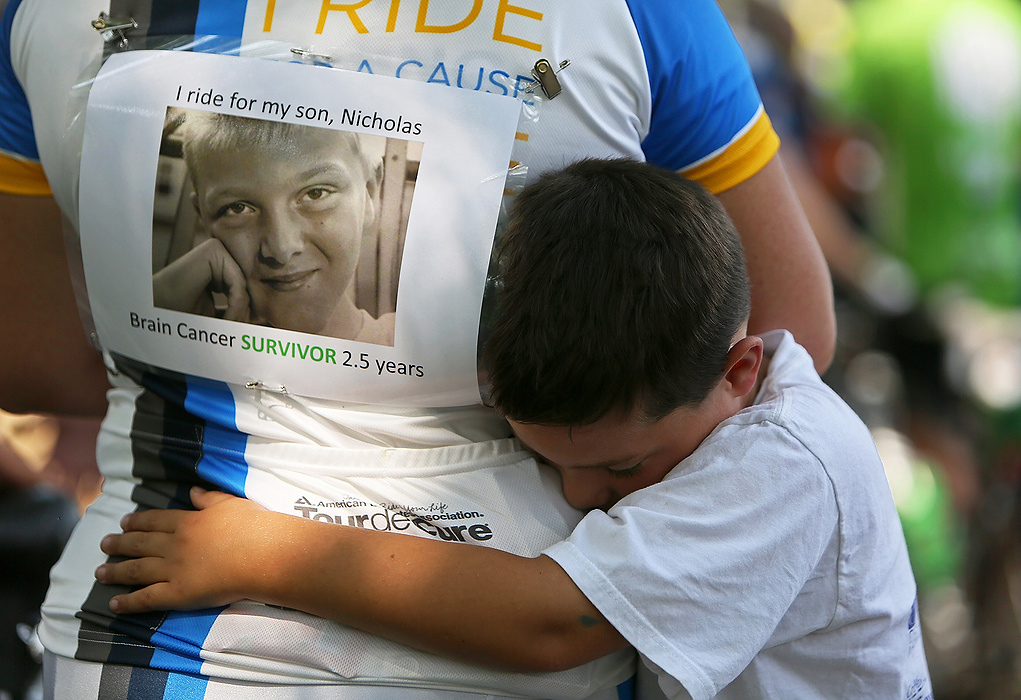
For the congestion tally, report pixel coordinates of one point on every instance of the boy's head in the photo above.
(289, 203)
(619, 332)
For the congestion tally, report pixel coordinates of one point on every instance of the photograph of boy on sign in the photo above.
(281, 225)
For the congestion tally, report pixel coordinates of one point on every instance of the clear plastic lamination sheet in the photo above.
(315, 231)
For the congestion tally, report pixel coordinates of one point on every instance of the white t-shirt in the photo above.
(769, 563)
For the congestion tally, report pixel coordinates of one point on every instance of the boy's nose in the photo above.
(282, 237)
(586, 489)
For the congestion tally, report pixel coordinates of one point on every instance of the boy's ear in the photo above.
(199, 227)
(372, 204)
(743, 362)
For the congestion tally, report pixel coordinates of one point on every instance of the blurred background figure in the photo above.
(901, 123)
(936, 85)
(939, 83)
(48, 475)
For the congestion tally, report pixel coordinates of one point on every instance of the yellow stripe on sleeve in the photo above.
(19, 176)
(739, 160)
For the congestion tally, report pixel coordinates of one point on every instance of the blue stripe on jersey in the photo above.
(223, 446)
(223, 459)
(182, 686)
(626, 690)
(702, 89)
(16, 133)
(221, 18)
(179, 639)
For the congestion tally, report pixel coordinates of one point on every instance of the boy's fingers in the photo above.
(236, 289)
(237, 305)
(152, 520)
(133, 572)
(135, 544)
(155, 597)
(200, 498)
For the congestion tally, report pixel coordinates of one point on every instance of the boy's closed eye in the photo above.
(626, 472)
(615, 471)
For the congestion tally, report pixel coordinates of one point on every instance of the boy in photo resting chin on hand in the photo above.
(741, 536)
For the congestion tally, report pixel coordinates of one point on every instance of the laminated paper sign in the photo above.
(322, 231)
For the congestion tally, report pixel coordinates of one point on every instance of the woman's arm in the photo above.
(46, 362)
(790, 282)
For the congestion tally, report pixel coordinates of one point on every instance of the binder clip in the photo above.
(546, 77)
(113, 28)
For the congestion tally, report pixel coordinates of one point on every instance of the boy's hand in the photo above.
(187, 283)
(186, 560)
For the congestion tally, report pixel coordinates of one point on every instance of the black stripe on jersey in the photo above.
(114, 683)
(166, 447)
(145, 684)
(166, 443)
(173, 17)
(158, 17)
(118, 682)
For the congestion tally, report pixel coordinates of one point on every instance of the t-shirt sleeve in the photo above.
(20, 171)
(707, 119)
(697, 571)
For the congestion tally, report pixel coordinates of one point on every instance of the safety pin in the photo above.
(546, 77)
(111, 28)
(255, 384)
(309, 54)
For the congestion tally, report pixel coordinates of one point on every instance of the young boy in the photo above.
(742, 536)
(283, 208)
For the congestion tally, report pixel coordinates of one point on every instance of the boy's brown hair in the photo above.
(621, 288)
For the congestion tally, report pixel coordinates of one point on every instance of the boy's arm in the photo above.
(469, 602)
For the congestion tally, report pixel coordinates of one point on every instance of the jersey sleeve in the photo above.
(673, 567)
(20, 171)
(707, 118)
